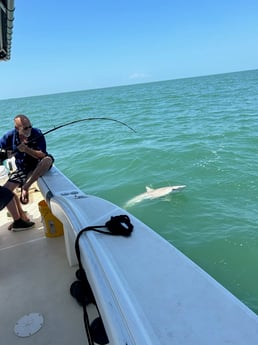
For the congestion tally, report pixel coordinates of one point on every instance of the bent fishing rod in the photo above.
(3, 152)
(88, 119)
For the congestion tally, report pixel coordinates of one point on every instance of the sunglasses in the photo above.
(25, 128)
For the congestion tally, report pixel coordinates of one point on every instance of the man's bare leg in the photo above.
(20, 210)
(13, 209)
(40, 170)
(20, 222)
(11, 185)
(22, 214)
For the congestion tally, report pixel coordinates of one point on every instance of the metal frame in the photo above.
(6, 28)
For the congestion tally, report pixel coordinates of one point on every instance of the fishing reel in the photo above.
(3, 156)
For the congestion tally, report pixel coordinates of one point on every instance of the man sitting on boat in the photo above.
(28, 145)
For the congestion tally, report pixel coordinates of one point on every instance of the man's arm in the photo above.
(31, 152)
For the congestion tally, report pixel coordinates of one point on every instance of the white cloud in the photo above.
(138, 76)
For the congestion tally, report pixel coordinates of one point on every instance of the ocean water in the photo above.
(200, 132)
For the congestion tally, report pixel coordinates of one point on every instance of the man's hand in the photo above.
(22, 147)
(31, 152)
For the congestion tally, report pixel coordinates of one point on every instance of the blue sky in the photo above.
(61, 46)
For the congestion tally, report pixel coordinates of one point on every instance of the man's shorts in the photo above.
(5, 197)
(18, 177)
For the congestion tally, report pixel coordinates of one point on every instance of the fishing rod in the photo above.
(3, 152)
(88, 119)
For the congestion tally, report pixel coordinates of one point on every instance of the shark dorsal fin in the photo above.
(148, 189)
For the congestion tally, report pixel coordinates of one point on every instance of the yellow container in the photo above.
(52, 225)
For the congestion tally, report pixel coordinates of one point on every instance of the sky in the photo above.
(62, 46)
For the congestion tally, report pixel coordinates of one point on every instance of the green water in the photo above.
(200, 132)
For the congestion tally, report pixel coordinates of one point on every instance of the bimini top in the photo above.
(6, 28)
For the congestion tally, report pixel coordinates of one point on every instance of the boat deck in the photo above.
(36, 278)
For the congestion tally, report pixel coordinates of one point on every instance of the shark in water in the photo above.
(152, 194)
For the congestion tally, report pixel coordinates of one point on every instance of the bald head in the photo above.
(23, 124)
(19, 120)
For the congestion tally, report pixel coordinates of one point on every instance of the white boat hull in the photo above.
(147, 291)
